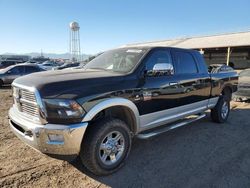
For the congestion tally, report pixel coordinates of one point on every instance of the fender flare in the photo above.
(111, 102)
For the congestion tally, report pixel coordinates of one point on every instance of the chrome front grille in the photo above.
(29, 109)
(27, 95)
(25, 102)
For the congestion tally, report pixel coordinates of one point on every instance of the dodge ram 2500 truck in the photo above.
(95, 112)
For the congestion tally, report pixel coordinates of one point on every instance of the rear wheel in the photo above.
(220, 112)
(106, 146)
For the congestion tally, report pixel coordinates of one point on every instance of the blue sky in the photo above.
(31, 25)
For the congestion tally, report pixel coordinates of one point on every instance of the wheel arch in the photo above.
(131, 113)
(227, 91)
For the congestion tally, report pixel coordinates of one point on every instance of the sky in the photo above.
(31, 25)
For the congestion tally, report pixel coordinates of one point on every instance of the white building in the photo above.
(232, 48)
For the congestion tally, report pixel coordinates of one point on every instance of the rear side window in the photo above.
(185, 63)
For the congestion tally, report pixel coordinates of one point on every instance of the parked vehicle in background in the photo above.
(9, 74)
(219, 68)
(40, 59)
(94, 113)
(243, 92)
(67, 65)
(31, 62)
(48, 65)
(4, 64)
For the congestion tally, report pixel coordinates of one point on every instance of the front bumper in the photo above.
(51, 139)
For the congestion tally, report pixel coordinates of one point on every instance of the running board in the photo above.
(168, 128)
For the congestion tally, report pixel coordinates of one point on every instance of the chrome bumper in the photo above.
(50, 138)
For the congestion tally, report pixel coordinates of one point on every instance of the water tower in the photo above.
(74, 42)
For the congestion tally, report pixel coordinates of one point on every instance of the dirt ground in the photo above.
(202, 154)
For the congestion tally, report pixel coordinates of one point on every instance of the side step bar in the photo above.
(168, 128)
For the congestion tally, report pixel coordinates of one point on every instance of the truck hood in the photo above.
(71, 83)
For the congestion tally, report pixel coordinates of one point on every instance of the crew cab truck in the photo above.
(95, 112)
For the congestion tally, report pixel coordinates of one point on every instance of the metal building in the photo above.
(74, 42)
(232, 48)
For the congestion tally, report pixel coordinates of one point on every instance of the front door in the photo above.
(159, 91)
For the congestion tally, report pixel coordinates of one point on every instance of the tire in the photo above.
(220, 112)
(98, 147)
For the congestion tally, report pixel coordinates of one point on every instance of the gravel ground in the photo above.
(202, 154)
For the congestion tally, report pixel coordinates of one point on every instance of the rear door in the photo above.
(191, 78)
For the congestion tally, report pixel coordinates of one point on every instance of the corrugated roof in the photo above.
(213, 41)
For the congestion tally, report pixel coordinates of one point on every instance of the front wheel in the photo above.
(220, 112)
(106, 146)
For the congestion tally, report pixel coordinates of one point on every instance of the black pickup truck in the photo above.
(95, 112)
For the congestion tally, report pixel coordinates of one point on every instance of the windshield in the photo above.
(245, 73)
(119, 60)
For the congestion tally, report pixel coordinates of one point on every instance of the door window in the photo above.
(159, 60)
(185, 63)
(17, 70)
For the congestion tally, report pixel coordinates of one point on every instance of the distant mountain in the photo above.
(50, 55)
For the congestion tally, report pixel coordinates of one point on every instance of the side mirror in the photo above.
(9, 72)
(161, 69)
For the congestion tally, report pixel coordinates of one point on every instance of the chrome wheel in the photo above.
(112, 148)
(224, 110)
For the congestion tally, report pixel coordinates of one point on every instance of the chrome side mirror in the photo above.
(161, 69)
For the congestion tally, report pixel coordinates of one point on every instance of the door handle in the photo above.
(173, 83)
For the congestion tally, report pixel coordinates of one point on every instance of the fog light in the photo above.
(56, 137)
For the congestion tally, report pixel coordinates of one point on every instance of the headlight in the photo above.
(63, 111)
